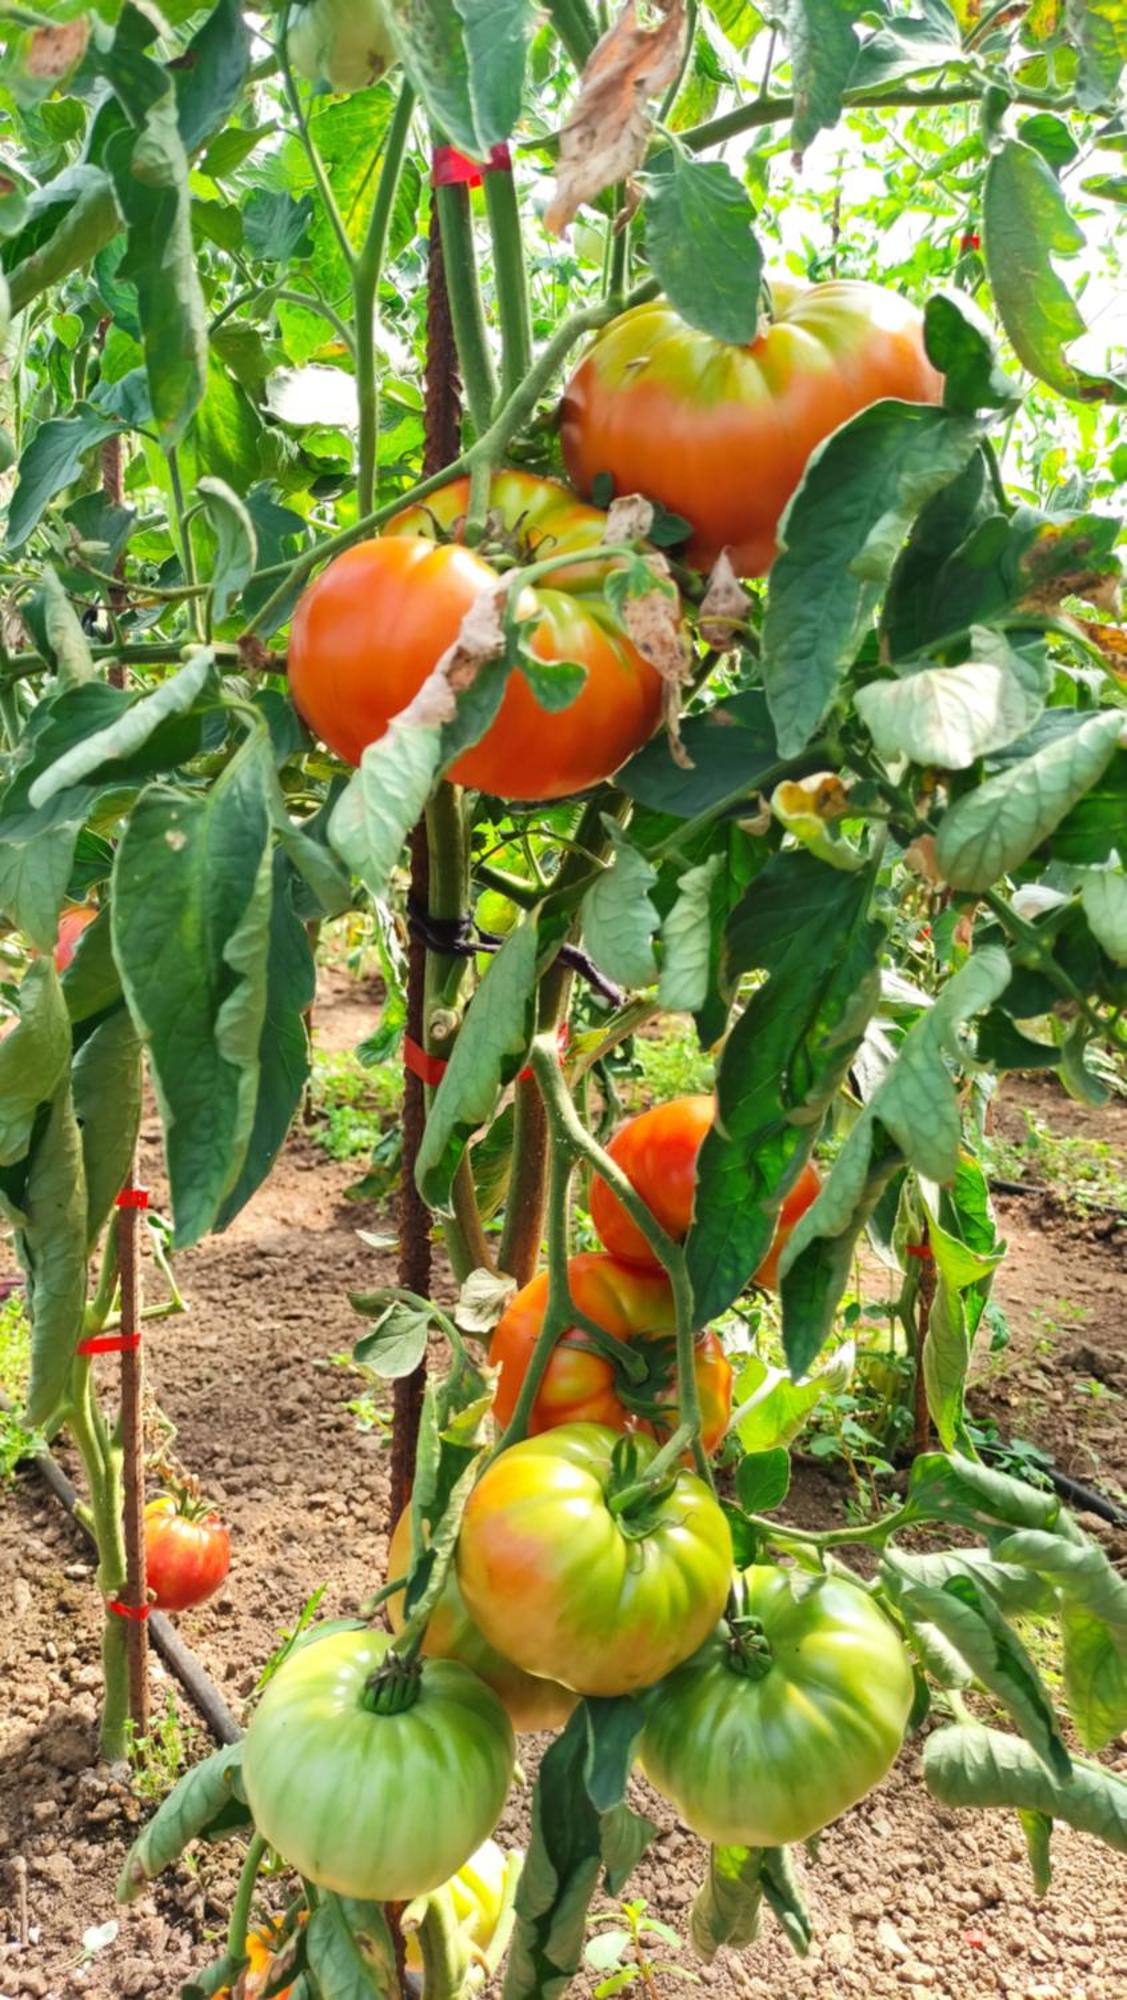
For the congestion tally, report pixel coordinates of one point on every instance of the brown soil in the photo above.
(907, 1900)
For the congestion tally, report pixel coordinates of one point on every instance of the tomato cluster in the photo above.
(718, 433)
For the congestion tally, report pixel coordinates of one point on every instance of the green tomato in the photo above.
(382, 1806)
(780, 1723)
(344, 43)
(558, 1581)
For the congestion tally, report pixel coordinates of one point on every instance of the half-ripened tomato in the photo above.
(187, 1552)
(721, 434)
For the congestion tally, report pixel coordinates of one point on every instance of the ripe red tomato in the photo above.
(367, 633)
(657, 1151)
(582, 1386)
(187, 1555)
(721, 434)
(72, 923)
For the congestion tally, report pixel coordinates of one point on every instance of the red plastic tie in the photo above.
(451, 168)
(563, 1036)
(109, 1343)
(429, 1069)
(138, 1612)
(970, 241)
(919, 1250)
(132, 1197)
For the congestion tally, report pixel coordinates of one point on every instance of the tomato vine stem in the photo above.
(240, 1909)
(366, 272)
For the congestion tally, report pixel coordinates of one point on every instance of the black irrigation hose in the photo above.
(1087, 1498)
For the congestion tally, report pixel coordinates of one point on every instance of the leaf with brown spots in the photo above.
(724, 606)
(53, 52)
(605, 138)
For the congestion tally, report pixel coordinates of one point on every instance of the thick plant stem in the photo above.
(366, 273)
(511, 279)
(101, 1461)
(925, 1299)
(558, 1310)
(455, 220)
(244, 1897)
(131, 1426)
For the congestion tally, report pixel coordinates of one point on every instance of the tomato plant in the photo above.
(582, 1383)
(375, 517)
(347, 1790)
(792, 1711)
(657, 1151)
(576, 1574)
(187, 1552)
(665, 409)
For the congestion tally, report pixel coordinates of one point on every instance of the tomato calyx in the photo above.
(749, 1649)
(637, 1501)
(396, 1684)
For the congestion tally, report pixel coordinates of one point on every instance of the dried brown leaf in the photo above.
(480, 639)
(724, 606)
(53, 52)
(922, 859)
(629, 519)
(605, 138)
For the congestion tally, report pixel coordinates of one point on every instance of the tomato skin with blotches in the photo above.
(721, 434)
(384, 1807)
(657, 1151)
(186, 1559)
(556, 1582)
(579, 1386)
(452, 1635)
(373, 625)
(760, 1762)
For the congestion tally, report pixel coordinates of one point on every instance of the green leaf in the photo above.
(34, 1058)
(106, 1081)
(967, 1616)
(732, 746)
(823, 44)
(150, 174)
(1038, 1830)
(959, 342)
(555, 683)
(968, 1765)
(87, 221)
(132, 728)
(211, 74)
(570, 1842)
(52, 461)
(763, 1480)
(276, 226)
(237, 544)
(772, 1408)
(1095, 1676)
(702, 245)
(809, 927)
(913, 1115)
(51, 1246)
(283, 1051)
(57, 631)
(397, 1342)
(1103, 894)
(948, 716)
(1099, 30)
(492, 1046)
(686, 941)
(987, 834)
(961, 1492)
(1051, 137)
(466, 60)
(383, 799)
(839, 538)
(1025, 221)
(619, 919)
(960, 1269)
(204, 1794)
(348, 1948)
(191, 915)
(729, 1902)
(614, 1725)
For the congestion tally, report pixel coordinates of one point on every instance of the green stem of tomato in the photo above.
(774, 110)
(511, 279)
(632, 1496)
(241, 1907)
(459, 262)
(101, 1461)
(366, 273)
(575, 26)
(442, 1946)
(448, 896)
(874, 1535)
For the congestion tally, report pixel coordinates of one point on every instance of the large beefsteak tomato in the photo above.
(721, 434)
(452, 1635)
(369, 630)
(785, 1717)
(657, 1151)
(605, 1602)
(581, 1385)
(381, 1806)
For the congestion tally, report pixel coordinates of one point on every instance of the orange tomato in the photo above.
(72, 923)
